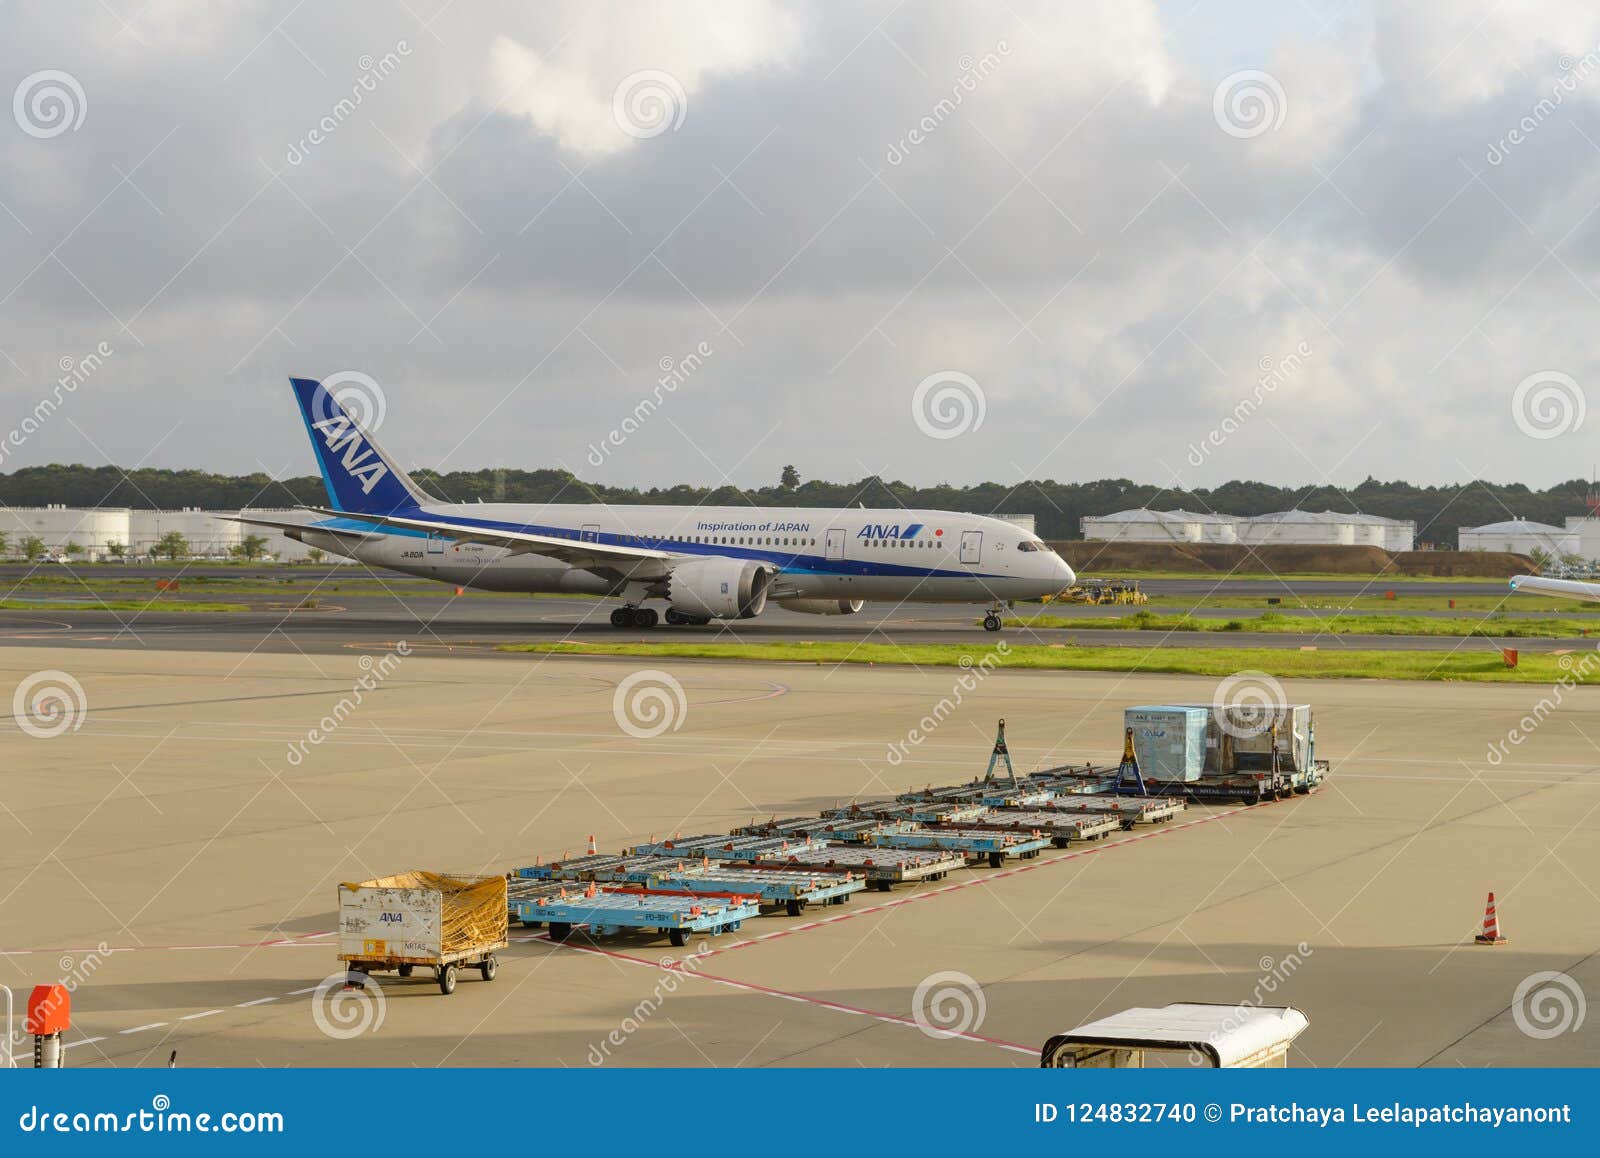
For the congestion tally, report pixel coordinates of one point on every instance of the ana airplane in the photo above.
(1564, 588)
(704, 563)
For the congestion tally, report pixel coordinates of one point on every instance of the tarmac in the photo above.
(168, 856)
(478, 623)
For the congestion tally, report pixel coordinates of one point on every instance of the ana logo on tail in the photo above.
(339, 434)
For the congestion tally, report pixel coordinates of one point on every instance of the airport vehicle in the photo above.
(1103, 592)
(1187, 1033)
(703, 563)
(421, 918)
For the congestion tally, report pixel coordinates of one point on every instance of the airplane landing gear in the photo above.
(634, 617)
(676, 618)
(991, 618)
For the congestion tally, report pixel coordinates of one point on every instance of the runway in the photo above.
(479, 623)
(323, 575)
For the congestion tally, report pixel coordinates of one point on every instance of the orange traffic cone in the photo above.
(592, 849)
(461, 590)
(1491, 926)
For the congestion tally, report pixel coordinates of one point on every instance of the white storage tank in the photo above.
(1521, 537)
(85, 533)
(1141, 525)
(1303, 528)
(1378, 531)
(208, 536)
(1217, 528)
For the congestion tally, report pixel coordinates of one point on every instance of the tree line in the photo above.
(1438, 511)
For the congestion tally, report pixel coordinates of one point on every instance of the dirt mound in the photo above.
(1496, 564)
(1097, 558)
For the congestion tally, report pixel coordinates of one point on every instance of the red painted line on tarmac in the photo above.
(679, 967)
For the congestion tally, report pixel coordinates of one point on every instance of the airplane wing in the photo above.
(285, 525)
(640, 562)
(1565, 588)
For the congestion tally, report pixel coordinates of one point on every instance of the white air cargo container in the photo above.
(1169, 740)
(1251, 731)
(1239, 737)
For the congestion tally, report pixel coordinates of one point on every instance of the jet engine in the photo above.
(719, 588)
(821, 606)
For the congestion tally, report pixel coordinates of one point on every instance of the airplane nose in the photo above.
(1064, 573)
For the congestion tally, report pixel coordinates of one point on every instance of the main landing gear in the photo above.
(634, 617)
(646, 617)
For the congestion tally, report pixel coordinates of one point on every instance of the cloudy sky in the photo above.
(938, 242)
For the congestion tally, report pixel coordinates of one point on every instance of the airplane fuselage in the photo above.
(921, 555)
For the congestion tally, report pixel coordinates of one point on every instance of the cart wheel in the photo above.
(795, 908)
(560, 930)
(679, 937)
(529, 924)
(447, 980)
(405, 969)
(996, 859)
(489, 967)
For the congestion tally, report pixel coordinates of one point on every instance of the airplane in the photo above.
(1563, 588)
(704, 563)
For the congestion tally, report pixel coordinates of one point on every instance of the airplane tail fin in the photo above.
(360, 477)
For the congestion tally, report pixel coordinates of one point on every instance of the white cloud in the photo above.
(568, 92)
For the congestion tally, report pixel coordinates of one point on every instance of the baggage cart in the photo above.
(434, 920)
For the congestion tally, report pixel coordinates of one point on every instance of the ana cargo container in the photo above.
(1169, 739)
(422, 918)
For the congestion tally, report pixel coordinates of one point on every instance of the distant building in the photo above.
(90, 533)
(1301, 528)
(1142, 525)
(1390, 534)
(1521, 537)
(1023, 522)
(1587, 528)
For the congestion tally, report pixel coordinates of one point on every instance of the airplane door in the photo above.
(589, 533)
(436, 544)
(835, 543)
(971, 546)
